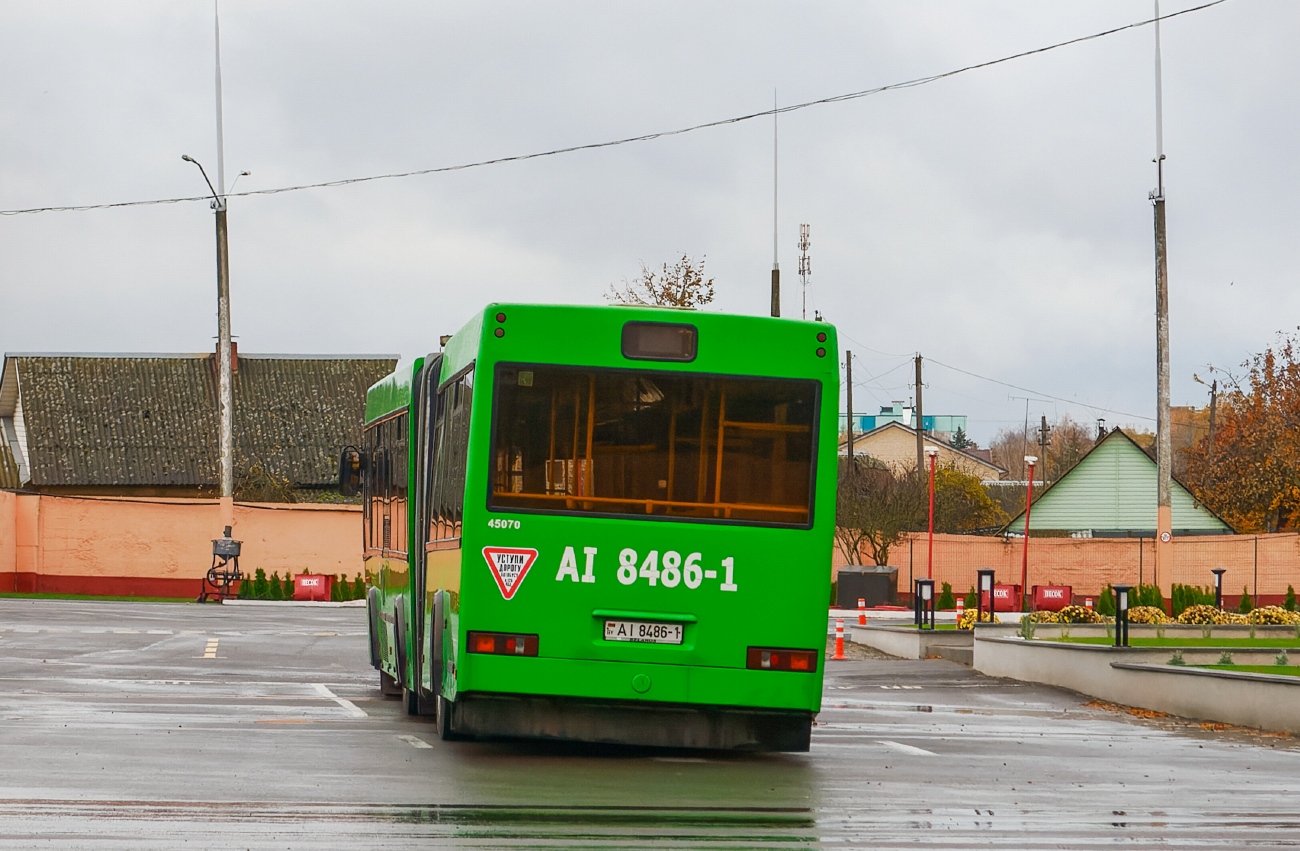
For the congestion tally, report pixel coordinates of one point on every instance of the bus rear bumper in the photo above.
(630, 722)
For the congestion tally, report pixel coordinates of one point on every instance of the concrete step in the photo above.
(961, 655)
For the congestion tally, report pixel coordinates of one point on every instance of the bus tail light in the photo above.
(781, 659)
(503, 643)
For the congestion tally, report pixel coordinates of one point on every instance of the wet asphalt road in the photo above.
(148, 726)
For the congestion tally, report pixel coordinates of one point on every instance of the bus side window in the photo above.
(397, 490)
(452, 448)
(372, 489)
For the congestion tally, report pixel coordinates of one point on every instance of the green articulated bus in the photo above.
(605, 524)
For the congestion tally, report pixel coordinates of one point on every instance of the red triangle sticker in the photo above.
(509, 566)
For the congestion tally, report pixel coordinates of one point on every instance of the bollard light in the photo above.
(1218, 586)
(926, 603)
(1121, 614)
(985, 585)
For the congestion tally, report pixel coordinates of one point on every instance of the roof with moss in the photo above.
(150, 420)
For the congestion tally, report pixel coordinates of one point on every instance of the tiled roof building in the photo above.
(147, 424)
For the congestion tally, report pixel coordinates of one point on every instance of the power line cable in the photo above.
(1096, 408)
(919, 81)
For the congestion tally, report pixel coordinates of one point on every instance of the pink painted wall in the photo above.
(164, 546)
(8, 545)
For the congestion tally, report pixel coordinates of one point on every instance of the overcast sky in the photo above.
(997, 221)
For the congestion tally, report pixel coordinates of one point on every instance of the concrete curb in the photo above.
(909, 642)
(350, 604)
(1142, 677)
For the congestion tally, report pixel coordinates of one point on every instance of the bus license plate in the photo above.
(642, 631)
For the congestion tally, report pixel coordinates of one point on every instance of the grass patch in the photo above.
(1261, 643)
(20, 595)
(1280, 670)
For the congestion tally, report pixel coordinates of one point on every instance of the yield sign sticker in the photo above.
(509, 566)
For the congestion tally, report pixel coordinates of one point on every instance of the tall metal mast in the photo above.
(776, 267)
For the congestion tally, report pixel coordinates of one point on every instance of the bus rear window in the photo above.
(572, 440)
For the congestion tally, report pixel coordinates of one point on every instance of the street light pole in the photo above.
(1030, 460)
(225, 384)
(932, 452)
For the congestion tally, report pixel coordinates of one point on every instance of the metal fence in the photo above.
(1263, 565)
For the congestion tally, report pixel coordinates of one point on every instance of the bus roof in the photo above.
(749, 334)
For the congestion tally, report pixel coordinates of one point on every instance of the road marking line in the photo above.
(907, 748)
(415, 741)
(352, 709)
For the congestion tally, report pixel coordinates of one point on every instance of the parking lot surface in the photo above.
(177, 725)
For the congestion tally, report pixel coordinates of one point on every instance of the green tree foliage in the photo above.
(288, 585)
(681, 285)
(1185, 596)
(1289, 603)
(1106, 602)
(961, 504)
(1246, 604)
(358, 588)
(275, 588)
(972, 600)
(1250, 476)
(946, 599)
(336, 589)
(259, 584)
(960, 440)
(1148, 595)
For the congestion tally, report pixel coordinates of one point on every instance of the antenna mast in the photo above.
(805, 266)
(776, 268)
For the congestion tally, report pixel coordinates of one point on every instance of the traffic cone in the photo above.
(961, 608)
(862, 612)
(1087, 602)
(839, 640)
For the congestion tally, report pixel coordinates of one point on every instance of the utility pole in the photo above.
(920, 432)
(805, 266)
(776, 267)
(1164, 445)
(1214, 398)
(848, 380)
(1043, 431)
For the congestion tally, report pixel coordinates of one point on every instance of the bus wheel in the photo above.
(372, 619)
(444, 722)
(388, 686)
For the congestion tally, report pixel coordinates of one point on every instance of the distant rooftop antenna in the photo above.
(805, 266)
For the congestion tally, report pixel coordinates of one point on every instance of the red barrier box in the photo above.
(312, 586)
(1006, 598)
(1052, 598)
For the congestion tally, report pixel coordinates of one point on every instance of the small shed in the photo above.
(1112, 492)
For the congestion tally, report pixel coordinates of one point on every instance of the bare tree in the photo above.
(681, 285)
(875, 509)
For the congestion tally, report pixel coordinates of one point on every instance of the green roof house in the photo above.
(1111, 493)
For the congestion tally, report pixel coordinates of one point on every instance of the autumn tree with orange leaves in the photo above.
(1250, 475)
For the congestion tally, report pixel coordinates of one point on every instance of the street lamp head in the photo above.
(1031, 460)
(932, 451)
(187, 158)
